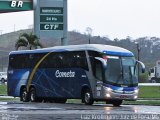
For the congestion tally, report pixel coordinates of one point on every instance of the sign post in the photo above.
(50, 17)
(50, 20)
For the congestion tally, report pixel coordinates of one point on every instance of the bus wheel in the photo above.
(33, 95)
(117, 103)
(24, 95)
(87, 97)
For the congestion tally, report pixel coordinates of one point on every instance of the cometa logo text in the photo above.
(59, 74)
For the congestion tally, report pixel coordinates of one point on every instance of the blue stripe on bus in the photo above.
(121, 88)
(127, 54)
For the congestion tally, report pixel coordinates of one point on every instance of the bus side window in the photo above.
(19, 61)
(97, 70)
(95, 64)
(12, 61)
(78, 60)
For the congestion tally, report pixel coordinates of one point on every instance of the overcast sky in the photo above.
(112, 18)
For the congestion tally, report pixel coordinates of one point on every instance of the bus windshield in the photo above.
(121, 71)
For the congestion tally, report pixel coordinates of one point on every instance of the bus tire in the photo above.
(116, 103)
(87, 97)
(33, 96)
(24, 95)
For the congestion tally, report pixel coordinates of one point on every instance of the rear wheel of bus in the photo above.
(24, 95)
(33, 96)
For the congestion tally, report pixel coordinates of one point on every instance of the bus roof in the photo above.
(107, 49)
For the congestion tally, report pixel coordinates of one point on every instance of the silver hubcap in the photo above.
(87, 97)
(24, 95)
(32, 96)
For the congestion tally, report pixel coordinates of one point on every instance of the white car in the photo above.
(3, 77)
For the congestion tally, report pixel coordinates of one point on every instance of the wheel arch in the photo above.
(84, 88)
(32, 86)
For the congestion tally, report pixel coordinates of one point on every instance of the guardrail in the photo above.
(149, 84)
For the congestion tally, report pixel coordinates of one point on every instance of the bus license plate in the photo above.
(123, 97)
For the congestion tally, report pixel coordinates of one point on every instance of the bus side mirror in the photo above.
(104, 62)
(142, 66)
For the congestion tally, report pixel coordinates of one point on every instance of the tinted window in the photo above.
(75, 59)
(65, 60)
(98, 70)
(24, 60)
(18, 61)
(94, 63)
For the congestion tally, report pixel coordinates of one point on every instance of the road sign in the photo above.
(16, 5)
(51, 18)
(50, 26)
(51, 10)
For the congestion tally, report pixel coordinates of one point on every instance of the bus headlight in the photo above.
(136, 91)
(135, 97)
(108, 89)
(108, 95)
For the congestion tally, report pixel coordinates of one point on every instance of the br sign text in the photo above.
(18, 4)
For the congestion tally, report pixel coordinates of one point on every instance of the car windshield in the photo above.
(121, 71)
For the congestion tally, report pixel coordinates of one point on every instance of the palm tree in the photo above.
(28, 40)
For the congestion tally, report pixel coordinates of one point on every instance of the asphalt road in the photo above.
(54, 111)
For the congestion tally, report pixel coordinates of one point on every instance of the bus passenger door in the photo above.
(98, 73)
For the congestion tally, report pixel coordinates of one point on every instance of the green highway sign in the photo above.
(51, 18)
(50, 26)
(51, 10)
(20, 5)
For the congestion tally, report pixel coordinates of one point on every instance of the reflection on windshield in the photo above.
(121, 71)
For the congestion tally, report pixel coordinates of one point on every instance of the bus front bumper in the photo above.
(122, 95)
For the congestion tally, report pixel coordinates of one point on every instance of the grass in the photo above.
(9, 99)
(149, 92)
(73, 101)
(3, 90)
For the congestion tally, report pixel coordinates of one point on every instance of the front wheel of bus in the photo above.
(117, 103)
(24, 95)
(87, 97)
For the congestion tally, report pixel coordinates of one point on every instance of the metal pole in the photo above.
(64, 40)
(138, 50)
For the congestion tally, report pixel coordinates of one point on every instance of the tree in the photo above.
(89, 32)
(28, 40)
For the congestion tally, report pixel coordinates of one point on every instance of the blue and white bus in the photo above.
(90, 72)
